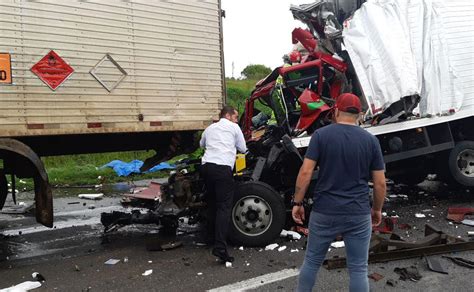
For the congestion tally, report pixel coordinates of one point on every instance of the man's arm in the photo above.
(302, 184)
(240, 141)
(202, 142)
(380, 190)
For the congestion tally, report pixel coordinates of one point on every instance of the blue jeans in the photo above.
(323, 229)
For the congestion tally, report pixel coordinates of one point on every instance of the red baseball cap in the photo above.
(348, 102)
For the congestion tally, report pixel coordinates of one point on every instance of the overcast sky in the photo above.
(257, 32)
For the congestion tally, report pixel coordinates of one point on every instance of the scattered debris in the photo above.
(125, 259)
(271, 246)
(384, 250)
(25, 286)
(338, 244)
(404, 226)
(112, 261)
(468, 222)
(376, 277)
(76, 268)
(435, 265)
(91, 196)
(457, 214)
(461, 261)
(409, 273)
(150, 262)
(38, 277)
(73, 203)
(420, 215)
(391, 282)
(18, 209)
(147, 273)
(153, 192)
(241, 248)
(290, 234)
(228, 264)
(159, 244)
(92, 207)
(294, 250)
(470, 233)
(199, 274)
(282, 248)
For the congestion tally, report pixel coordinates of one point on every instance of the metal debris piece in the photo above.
(376, 277)
(461, 261)
(409, 273)
(383, 250)
(435, 265)
(457, 214)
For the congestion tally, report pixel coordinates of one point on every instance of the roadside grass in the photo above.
(85, 169)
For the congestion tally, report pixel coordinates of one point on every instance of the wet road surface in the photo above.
(71, 256)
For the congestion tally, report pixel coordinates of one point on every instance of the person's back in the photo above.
(348, 157)
(346, 154)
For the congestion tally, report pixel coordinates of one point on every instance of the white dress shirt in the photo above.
(221, 140)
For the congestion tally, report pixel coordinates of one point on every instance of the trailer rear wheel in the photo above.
(258, 214)
(461, 163)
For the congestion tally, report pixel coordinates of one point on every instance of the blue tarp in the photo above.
(127, 168)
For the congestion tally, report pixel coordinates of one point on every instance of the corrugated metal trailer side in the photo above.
(171, 52)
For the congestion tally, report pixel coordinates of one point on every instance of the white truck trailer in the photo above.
(97, 76)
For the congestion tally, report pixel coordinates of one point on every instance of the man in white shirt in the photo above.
(221, 141)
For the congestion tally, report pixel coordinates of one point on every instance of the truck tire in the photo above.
(461, 163)
(3, 189)
(258, 215)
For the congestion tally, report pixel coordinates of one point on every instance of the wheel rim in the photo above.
(465, 162)
(252, 215)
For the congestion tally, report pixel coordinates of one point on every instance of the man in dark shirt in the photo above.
(348, 157)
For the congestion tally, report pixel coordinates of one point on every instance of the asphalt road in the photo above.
(71, 256)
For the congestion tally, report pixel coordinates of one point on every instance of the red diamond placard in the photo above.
(52, 70)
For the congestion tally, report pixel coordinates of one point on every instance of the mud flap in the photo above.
(43, 193)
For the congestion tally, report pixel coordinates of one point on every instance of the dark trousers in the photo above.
(219, 196)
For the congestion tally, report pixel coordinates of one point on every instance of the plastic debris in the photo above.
(290, 234)
(338, 244)
(125, 259)
(271, 246)
(468, 222)
(150, 262)
(38, 277)
(25, 286)
(282, 248)
(294, 250)
(419, 215)
(91, 196)
(147, 273)
(241, 248)
(76, 268)
(228, 264)
(199, 274)
(112, 261)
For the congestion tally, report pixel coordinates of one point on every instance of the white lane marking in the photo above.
(258, 281)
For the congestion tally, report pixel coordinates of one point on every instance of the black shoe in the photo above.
(222, 255)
